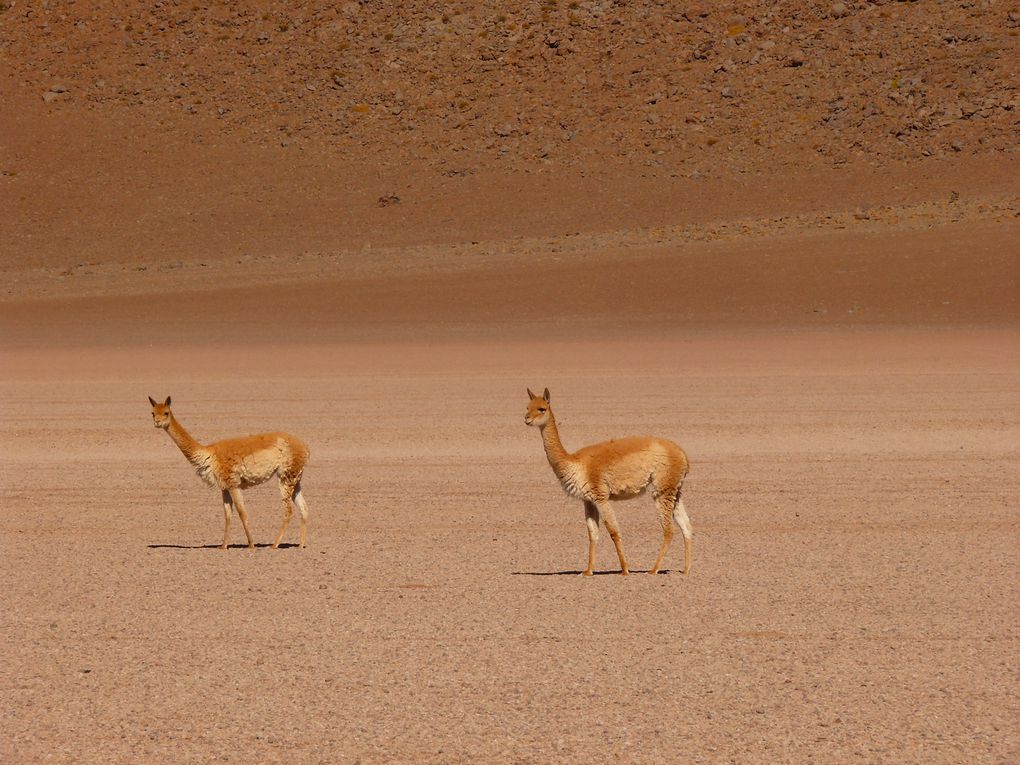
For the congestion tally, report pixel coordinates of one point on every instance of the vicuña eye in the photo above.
(541, 410)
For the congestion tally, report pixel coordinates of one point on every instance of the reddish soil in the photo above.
(782, 235)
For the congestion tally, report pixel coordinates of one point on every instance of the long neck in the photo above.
(553, 446)
(191, 448)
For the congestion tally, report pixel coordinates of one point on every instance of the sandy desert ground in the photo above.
(787, 239)
(852, 596)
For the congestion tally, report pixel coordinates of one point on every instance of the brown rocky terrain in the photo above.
(782, 234)
(681, 88)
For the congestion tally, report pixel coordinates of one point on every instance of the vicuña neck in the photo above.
(553, 446)
(191, 448)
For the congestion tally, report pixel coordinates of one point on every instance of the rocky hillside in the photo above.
(677, 85)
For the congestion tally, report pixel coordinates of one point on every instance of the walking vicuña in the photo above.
(618, 469)
(239, 463)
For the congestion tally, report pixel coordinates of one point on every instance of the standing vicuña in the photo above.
(618, 469)
(240, 463)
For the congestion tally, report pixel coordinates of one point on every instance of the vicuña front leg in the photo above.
(235, 495)
(591, 519)
(228, 509)
(609, 517)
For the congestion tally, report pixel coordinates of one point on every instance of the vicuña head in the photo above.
(240, 463)
(538, 409)
(618, 469)
(161, 413)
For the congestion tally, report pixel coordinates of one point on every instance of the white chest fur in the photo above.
(205, 466)
(574, 479)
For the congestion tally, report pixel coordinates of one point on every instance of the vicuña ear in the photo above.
(546, 395)
(152, 400)
(167, 401)
(530, 394)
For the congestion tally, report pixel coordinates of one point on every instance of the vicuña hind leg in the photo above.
(680, 516)
(235, 495)
(609, 517)
(287, 492)
(664, 502)
(299, 498)
(591, 519)
(228, 509)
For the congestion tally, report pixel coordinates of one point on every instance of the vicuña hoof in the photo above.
(223, 546)
(586, 573)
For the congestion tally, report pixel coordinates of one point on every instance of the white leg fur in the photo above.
(681, 519)
(299, 500)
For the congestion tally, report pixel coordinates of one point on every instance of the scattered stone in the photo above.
(703, 50)
(55, 93)
(387, 199)
(903, 100)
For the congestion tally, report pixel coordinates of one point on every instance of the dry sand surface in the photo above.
(782, 234)
(852, 595)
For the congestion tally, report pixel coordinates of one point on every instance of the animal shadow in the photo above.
(263, 545)
(615, 572)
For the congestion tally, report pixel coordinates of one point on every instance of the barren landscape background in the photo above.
(781, 234)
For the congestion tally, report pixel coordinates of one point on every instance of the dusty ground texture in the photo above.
(852, 596)
(782, 234)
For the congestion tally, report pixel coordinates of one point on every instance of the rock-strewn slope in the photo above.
(676, 85)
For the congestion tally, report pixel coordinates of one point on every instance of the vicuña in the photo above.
(240, 463)
(618, 469)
